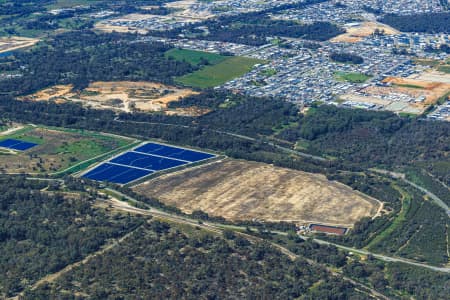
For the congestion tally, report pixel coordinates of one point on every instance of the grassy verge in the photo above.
(87, 163)
(411, 86)
(398, 221)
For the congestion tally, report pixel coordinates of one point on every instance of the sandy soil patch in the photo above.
(124, 96)
(14, 43)
(128, 23)
(241, 190)
(107, 27)
(356, 34)
(403, 95)
(433, 76)
(55, 93)
(431, 89)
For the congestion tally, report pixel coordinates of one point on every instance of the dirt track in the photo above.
(240, 190)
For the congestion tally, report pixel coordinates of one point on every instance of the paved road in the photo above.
(212, 227)
(240, 136)
(384, 257)
(319, 241)
(432, 196)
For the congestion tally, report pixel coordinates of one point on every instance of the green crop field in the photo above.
(351, 77)
(194, 57)
(220, 73)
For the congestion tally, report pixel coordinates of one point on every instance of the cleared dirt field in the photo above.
(241, 190)
(127, 23)
(404, 95)
(14, 43)
(121, 96)
(106, 26)
(56, 150)
(433, 76)
(356, 34)
(54, 93)
(432, 89)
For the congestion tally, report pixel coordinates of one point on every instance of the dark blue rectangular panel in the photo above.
(173, 152)
(146, 161)
(17, 144)
(116, 174)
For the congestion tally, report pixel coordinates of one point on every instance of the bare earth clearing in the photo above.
(126, 23)
(356, 34)
(14, 43)
(240, 190)
(433, 76)
(106, 26)
(418, 92)
(124, 96)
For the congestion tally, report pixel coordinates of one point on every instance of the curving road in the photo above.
(244, 137)
(213, 227)
(402, 177)
(218, 227)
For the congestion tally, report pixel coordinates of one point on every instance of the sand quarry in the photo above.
(241, 190)
(121, 96)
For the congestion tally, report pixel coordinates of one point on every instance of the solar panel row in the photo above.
(173, 152)
(17, 144)
(146, 161)
(116, 174)
(143, 161)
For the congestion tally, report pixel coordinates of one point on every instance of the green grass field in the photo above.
(220, 73)
(351, 77)
(194, 57)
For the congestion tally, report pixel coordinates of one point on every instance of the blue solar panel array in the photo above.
(142, 161)
(173, 152)
(146, 161)
(17, 145)
(116, 174)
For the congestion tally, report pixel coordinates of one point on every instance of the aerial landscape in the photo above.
(225, 149)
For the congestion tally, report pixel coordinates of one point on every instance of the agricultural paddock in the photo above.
(124, 96)
(56, 150)
(241, 190)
